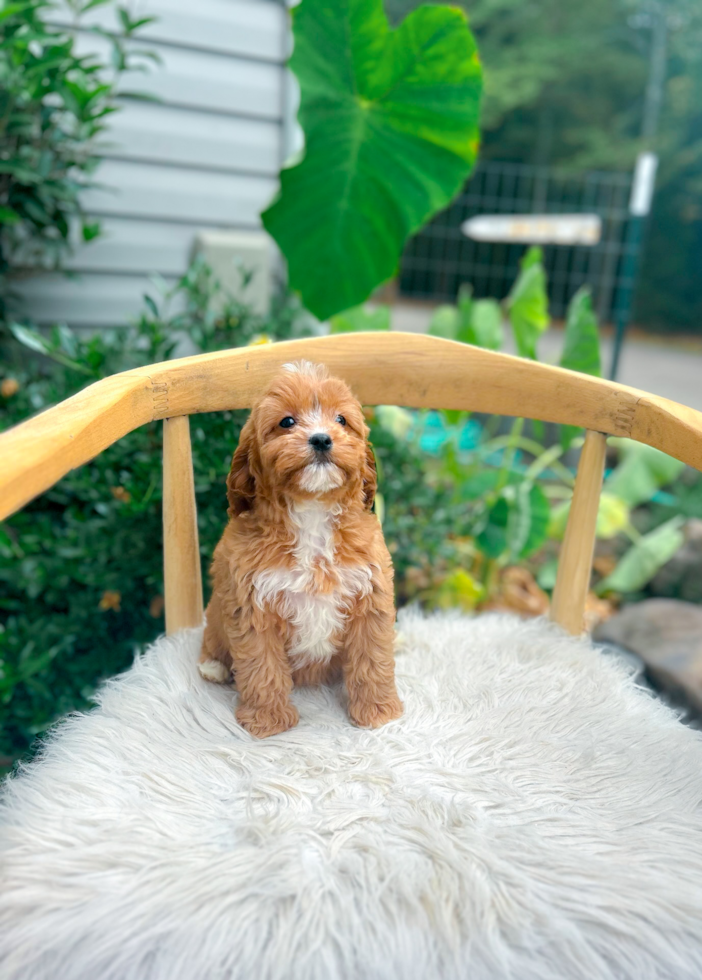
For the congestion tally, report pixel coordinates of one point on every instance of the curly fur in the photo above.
(302, 580)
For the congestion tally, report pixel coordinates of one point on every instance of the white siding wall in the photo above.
(206, 155)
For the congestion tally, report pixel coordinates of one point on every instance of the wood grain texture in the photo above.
(182, 574)
(393, 368)
(37, 453)
(575, 560)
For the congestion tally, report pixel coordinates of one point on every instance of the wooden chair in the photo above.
(393, 368)
(533, 814)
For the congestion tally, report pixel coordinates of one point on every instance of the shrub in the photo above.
(53, 105)
(80, 567)
(508, 495)
(81, 587)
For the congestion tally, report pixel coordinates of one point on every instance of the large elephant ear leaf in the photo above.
(391, 132)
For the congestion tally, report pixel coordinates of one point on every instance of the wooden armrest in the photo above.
(382, 368)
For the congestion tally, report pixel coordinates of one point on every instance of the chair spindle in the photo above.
(575, 564)
(181, 551)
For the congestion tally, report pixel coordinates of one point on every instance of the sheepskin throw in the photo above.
(534, 815)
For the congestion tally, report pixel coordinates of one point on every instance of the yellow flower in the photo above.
(9, 387)
(119, 493)
(156, 606)
(459, 590)
(110, 600)
(259, 339)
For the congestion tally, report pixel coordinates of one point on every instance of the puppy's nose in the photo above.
(321, 442)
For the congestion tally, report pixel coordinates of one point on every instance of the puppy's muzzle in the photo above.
(321, 442)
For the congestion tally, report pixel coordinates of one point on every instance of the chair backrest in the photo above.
(386, 368)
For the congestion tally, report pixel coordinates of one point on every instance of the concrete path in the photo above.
(670, 367)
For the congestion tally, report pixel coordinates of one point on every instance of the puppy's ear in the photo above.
(241, 483)
(370, 478)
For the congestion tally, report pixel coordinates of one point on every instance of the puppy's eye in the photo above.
(341, 420)
(287, 423)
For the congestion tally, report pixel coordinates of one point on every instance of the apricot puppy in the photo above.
(302, 579)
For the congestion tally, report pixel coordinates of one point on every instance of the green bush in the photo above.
(81, 566)
(81, 586)
(509, 494)
(54, 104)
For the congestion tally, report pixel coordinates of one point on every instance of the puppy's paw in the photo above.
(368, 714)
(262, 722)
(214, 671)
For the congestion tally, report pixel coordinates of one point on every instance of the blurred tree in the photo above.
(562, 81)
(670, 293)
(565, 84)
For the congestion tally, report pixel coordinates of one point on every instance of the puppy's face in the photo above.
(307, 439)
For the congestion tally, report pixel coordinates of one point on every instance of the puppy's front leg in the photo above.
(264, 682)
(369, 664)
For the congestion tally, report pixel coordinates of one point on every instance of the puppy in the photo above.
(302, 580)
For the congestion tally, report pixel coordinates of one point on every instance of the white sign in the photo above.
(642, 187)
(535, 229)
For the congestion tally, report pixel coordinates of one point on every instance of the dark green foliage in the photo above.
(80, 567)
(53, 105)
(565, 84)
(581, 348)
(527, 304)
(422, 517)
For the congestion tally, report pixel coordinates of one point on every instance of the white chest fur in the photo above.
(315, 594)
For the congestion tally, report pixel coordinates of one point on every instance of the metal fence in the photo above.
(440, 258)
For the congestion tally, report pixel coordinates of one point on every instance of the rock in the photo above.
(630, 660)
(681, 577)
(667, 635)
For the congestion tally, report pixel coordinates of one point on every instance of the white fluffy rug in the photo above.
(533, 816)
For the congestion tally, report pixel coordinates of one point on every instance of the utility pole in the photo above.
(644, 176)
(656, 74)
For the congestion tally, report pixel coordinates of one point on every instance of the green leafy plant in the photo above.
(80, 567)
(515, 490)
(637, 479)
(641, 473)
(581, 343)
(81, 586)
(470, 321)
(54, 104)
(645, 557)
(480, 321)
(391, 129)
(360, 318)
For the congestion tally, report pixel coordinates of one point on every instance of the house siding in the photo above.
(204, 155)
